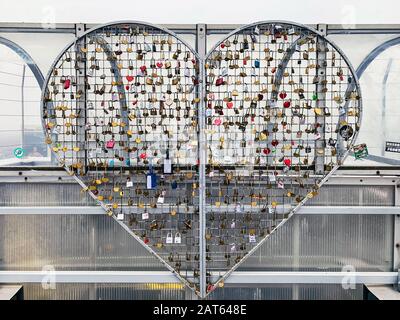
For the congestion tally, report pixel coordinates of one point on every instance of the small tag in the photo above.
(145, 215)
(120, 216)
(129, 184)
(167, 166)
(252, 238)
(271, 177)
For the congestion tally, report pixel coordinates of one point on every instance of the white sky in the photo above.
(206, 11)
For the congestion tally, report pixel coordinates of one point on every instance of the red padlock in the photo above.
(286, 104)
(143, 155)
(159, 64)
(143, 69)
(283, 95)
(67, 84)
(274, 142)
(287, 162)
(219, 81)
(267, 151)
(129, 78)
(229, 104)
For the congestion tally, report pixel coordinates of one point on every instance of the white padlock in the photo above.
(169, 238)
(178, 238)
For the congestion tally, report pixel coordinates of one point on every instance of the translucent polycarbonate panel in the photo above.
(329, 292)
(88, 242)
(352, 195)
(306, 242)
(379, 84)
(43, 194)
(289, 292)
(329, 243)
(69, 242)
(173, 291)
(145, 291)
(85, 291)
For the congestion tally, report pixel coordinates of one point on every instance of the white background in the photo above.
(206, 11)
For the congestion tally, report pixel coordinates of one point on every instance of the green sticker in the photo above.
(19, 152)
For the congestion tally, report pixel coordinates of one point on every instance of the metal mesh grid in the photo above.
(282, 109)
(120, 112)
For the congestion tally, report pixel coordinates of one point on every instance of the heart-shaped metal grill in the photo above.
(120, 113)
(201, 160)
(283, 108)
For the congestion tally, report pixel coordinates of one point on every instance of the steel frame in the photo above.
(304, 210)
(237, 277)
(367, 177)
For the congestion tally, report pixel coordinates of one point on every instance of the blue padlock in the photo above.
(151, 178)
(256, 63)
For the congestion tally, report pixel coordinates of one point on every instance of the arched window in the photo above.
(21, 133)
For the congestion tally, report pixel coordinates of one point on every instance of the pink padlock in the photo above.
(217, 121)
(110, 144)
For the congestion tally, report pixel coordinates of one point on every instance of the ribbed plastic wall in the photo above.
(172, 291)
(96, 242)
(69, 242)
(327, 243)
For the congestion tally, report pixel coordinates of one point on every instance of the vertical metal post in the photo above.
(384, 92)
(296, 253)
(201, 47)
(321, 99)
(23, 106)
(396, 232)
(92, 250)
(81, 85)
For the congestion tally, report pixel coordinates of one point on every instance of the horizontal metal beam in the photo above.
(304, 210)
(313, 277)
(345, 177)
(16, 26)
(237, 277)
